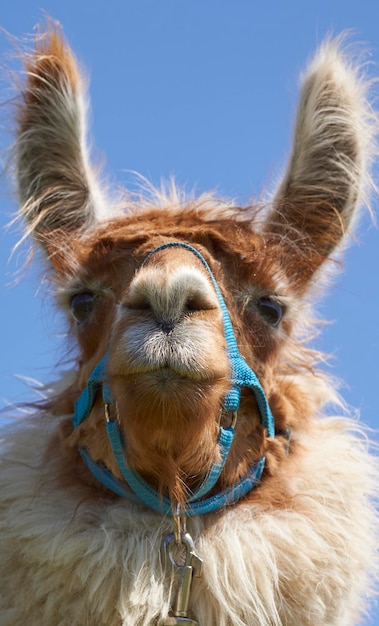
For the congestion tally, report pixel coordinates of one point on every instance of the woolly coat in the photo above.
(72, 557)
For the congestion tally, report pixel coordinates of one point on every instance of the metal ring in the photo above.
(234, 417)
(170, 547)
(180, 526)
(107, 411)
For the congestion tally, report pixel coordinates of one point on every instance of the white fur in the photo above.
(188, 348)
(69, 560)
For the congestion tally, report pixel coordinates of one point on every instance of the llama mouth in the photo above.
(152, 384)
(167, 380)
(166, 374)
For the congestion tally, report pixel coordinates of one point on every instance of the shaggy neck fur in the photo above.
(264, 565)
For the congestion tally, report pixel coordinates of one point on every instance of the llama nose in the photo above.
(171, 295)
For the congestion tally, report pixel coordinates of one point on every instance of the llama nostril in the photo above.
(167, 328)
(136, 300)
(197, 302)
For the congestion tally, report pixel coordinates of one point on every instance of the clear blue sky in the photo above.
(205, 90)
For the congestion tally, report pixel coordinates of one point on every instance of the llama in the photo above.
(186, 472)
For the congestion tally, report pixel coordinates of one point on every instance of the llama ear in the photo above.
(328, 176)
(57, 189)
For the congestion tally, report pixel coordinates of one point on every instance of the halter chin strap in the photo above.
(141, 492)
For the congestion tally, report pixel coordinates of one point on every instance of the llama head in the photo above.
(158, 317)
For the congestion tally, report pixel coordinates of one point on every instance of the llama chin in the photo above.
(186, 473)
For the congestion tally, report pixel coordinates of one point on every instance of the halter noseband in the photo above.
(141, 492)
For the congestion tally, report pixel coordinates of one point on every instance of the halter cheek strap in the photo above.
(241, 376)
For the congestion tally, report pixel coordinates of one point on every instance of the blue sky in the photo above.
(205, 90)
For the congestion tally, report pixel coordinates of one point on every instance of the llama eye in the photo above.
(270, 310)
(82, 305)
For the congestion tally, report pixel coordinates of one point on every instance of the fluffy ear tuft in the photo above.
(328, 176)
(56, 185)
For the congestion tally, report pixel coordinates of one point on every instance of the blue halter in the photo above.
(141, 492)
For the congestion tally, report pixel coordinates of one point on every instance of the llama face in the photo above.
(160, 322)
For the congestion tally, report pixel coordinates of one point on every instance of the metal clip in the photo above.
(185, 564)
